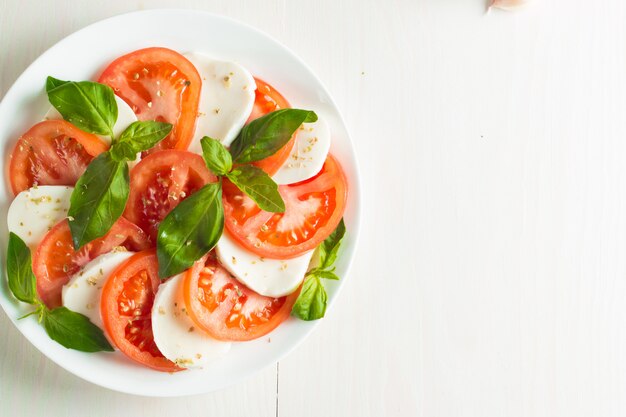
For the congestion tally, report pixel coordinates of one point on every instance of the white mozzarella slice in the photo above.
(125, 116)
(35, 211)
(226, 99)
(83, 291)
(308, 154)
(269, 277)
(176, 335)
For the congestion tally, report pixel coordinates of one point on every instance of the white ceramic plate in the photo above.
(82, 56)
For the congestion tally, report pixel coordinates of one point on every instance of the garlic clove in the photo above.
(508, 4)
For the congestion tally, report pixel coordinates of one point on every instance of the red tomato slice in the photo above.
(267, 100)
(159, 182)
(313, 209)
(55, 260)
(226, 309)
(126, 308)
(52, 152)
(158, 84)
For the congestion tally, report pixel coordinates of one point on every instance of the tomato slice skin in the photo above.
(52, 152)
(158, 84)
(233, 312)
(268, 99)
(55, 260)
(159, 182)
(314, 208)
(126, 309)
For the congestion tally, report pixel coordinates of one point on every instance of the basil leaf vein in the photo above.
(138, 137)
(74, 331)
(259, 187)
(88, 105)
(264, 136)
(22, 281)
(98, 199)
(52, 83)
(326, 274)
(190, 230)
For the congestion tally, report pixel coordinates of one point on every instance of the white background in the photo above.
(490, 279)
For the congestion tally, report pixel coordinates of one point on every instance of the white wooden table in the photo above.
(491, 275)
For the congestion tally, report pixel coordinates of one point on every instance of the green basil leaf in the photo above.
(138, 137)
(22, 281)
(52, 83)
(325, 273)
(311, 303)
(264, 136)
(258, 186)
(216, 156)
(74, 331)
(190, 230)
(88, 105)
(98, 199)
(330, 246)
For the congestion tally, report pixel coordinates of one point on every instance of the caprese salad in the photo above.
(172, 208)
